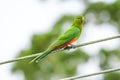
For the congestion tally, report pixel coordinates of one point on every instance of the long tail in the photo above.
(41, 55)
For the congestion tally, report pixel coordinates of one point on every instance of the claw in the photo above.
(69, 46)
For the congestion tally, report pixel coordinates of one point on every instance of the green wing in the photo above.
(67, 36)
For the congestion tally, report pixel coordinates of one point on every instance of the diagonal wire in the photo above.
(92, 74)
(75, 46)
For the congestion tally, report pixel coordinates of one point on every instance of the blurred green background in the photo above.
(67, 63)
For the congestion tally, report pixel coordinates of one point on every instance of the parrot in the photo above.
(65, 39)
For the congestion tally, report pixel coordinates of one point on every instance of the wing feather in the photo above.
(67, 36)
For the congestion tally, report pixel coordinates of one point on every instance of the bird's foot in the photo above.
(69, 47)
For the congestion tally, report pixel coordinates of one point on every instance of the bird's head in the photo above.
(78, 21)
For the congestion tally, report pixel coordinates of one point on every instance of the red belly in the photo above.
(66, 44)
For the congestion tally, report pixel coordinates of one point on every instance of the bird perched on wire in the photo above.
(64, 40)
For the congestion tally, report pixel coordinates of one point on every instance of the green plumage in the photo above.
(73, 32)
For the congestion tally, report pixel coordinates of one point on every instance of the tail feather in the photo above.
(40, 56)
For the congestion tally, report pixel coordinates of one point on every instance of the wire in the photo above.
(75, 46)
(92, 74)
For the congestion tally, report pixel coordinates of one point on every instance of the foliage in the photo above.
(105, 13)
(56, 65)
(112, 76)
(64, 63)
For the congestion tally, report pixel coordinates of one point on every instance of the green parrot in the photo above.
(64, 40)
